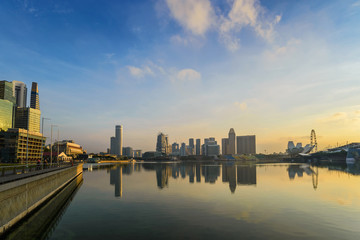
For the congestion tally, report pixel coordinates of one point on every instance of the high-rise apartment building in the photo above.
(34, 98)
(198, 146)
(20, 93)
(232, 138)
(246, 144)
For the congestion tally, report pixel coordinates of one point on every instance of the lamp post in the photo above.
(57, 158)
(52, 125)
(42, 133)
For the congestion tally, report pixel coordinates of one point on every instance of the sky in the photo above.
(188, 68)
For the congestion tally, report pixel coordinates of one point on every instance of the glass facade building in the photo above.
(6, 114)
(6, 91)
(28, 118)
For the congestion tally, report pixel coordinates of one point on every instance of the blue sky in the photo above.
(189, 68)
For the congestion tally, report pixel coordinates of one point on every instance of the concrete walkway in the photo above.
(15, 177)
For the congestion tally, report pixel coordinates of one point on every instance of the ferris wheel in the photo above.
(313, 141)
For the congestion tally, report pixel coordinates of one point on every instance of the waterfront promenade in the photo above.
(21, 194)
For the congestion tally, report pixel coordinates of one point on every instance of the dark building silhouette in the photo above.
(246, 175)
(116, 179)
(229, 175)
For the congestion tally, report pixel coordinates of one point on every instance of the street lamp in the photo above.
(52, 125)
(42, 133)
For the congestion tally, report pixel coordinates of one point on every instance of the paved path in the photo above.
(15, 177)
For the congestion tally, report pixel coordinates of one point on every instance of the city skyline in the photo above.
(275, 69)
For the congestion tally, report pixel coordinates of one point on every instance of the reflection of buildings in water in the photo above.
(137, 167)
(191, 172)
(116, 179)
(182, 171)
(298, 170)
(211, 173)
(229, 175)
(128, 169)
(198, 173)
(175, 171)
(246, 175)
(162, 175)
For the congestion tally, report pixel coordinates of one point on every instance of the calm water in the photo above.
(214, 201)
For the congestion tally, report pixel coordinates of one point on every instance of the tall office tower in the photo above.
(119, 139)
(162, 143)
(34, 99)
(28, 118)
(246, 144)
(191, 146)
(175, 149)
(20, 93)
(225, 147)
(210, 147)
(7, 92)
(198, 146)
(183, 149)
(7, 102)
(112, 145)
(232, 138)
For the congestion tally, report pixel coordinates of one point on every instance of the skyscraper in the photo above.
(246, 144)
(6, 91)
(116, 143)
(225, 146)
(175, 150)
(232, 139)
(28, 118)
(7, 101)
(34, 99)
(198, 146)
(191, 146)
(162, 144)
(20, 93)
(112, 145)
(119, 139)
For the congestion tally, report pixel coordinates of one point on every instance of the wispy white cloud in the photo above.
(174, 75)
(188, 75)
(140, 72)
(246, 13)
(198, 17)
(342, 118)
(195, 16)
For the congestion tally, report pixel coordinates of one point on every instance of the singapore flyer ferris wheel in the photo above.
(313, 141)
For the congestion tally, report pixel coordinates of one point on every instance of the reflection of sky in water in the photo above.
(213, 201)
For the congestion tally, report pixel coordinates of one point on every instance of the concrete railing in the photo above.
(20, 169)
(19, 198)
